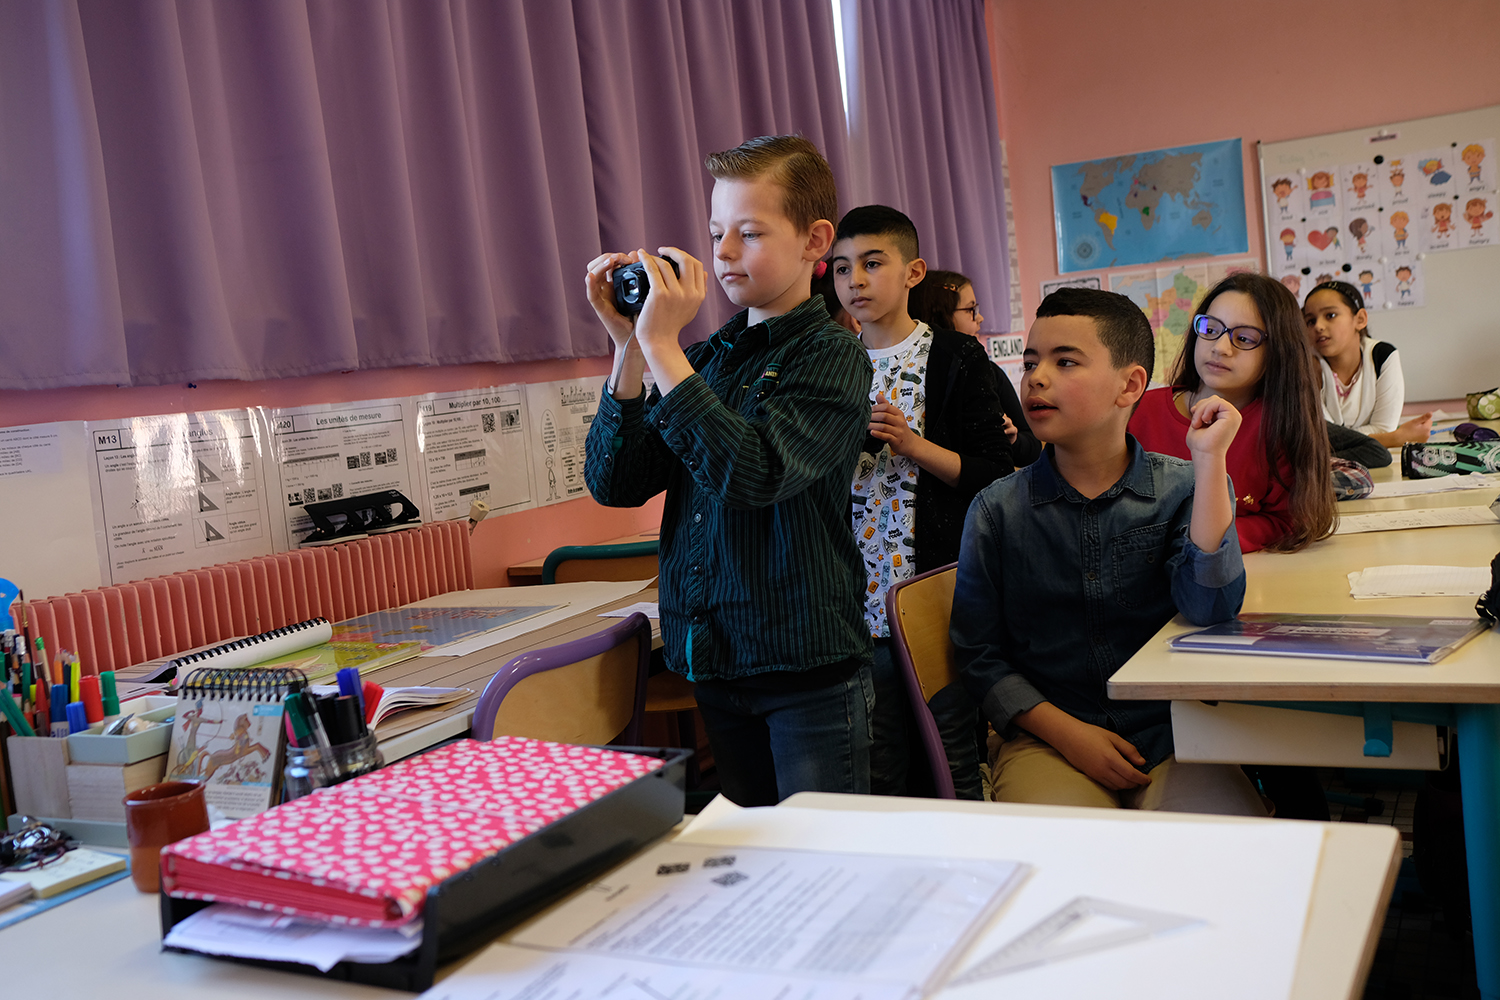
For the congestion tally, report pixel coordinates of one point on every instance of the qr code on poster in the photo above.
(337, 490)
(487, 421)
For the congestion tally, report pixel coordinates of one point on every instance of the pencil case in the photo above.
(1428, 461)
(1484, 405)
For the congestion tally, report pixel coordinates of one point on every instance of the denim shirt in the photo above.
(1056, 591)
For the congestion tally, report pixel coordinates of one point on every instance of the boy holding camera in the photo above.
(753, 433)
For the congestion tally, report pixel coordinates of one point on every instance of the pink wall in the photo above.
(498, 541)
(1080, 79)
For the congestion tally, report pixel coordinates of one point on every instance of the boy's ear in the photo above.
(819, 241)
(1136, 381)
(915, 272)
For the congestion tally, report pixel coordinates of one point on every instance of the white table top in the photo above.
(107, 944)
(1315, 581)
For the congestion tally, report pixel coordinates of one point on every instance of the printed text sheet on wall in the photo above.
(560, 413)
(473, 446)
(341, 450)
(178, 491)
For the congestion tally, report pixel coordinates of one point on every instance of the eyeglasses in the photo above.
(35, 844)
(1244, 338)
(973, 311)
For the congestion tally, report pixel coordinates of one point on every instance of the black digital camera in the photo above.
(632, 285)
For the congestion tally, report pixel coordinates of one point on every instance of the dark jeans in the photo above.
(897, 742)
(770, 743)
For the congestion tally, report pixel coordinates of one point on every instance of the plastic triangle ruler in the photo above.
(1081, 927)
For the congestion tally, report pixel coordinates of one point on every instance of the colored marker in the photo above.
(110, 692)
(59, 696)
(93, 701)
(78, 717)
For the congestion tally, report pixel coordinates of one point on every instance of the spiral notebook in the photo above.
(228, 734)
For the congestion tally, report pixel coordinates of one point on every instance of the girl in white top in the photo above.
(1362, 383)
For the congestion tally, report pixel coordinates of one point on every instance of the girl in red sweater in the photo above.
(1246, 345)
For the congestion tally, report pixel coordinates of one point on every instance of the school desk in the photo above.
(530, 571)
(411, 732)
(1462, 690)
(116, 930)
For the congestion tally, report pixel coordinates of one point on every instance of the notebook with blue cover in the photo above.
(1386, 638)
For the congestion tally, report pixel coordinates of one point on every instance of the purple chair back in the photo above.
(918, 610)
(636, 629)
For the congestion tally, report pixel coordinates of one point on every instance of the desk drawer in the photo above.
(1232, 733)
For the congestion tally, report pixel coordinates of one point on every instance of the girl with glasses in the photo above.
(1246, 345)
(1362, 383)
(945, 300)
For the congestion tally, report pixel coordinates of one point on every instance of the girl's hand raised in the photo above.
(1212, 425)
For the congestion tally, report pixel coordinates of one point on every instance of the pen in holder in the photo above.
(311, 768)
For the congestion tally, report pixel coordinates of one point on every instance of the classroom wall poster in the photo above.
(560, 414)
(50, 548)
(1372, 222)
(178, 491)
(473, 447)
(340, 450)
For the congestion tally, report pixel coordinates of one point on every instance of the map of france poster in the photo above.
(1145, 208)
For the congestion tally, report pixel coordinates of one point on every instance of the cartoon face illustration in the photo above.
(1432, 168)
(1320, 180)
(1399, 221)
(1398, 174)
(1360, 183)
(1442, 218)
(1293, 283)
(1359, 229)
(1475, 212)
(1331, 234)
(1282, 189)
(1473, 156)
(1403, 275)
(1324, 277)
(1289, 241)
(1366, 277)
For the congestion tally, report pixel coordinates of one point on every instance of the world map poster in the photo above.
(1145, 208)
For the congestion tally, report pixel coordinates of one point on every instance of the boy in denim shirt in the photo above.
(1072, 564)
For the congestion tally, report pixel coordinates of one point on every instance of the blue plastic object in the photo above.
(8, 594)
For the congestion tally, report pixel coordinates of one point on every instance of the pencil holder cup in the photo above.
(309, 768)
(156, 816)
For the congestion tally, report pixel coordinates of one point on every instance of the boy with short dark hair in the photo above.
(1072, 564)
(753, 433)
(937, 437)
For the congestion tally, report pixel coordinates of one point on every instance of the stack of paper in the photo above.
(1400, 520)
(1419, 581)
(1438, 484)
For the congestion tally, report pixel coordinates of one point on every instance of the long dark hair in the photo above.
(934, 300)
(1291, 427)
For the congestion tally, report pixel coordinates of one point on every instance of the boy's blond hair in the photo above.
(790, 161)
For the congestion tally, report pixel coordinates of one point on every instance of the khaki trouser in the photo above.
(1027, 770)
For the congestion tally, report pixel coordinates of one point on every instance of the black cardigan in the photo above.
(964, 409)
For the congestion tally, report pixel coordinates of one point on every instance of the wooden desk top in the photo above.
(413, 731)
(1315, 581)
(530, 571)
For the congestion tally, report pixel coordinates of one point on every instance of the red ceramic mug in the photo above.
(156, 816)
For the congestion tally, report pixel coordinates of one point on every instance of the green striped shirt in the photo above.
(759, 570)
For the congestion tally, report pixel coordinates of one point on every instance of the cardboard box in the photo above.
(97, 791)
(39, 769)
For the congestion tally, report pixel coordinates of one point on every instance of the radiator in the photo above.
(115, 627)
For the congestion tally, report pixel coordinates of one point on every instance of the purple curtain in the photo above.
(252, 190)
(924, 134)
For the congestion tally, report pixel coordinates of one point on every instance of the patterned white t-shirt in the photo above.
(885, 484)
